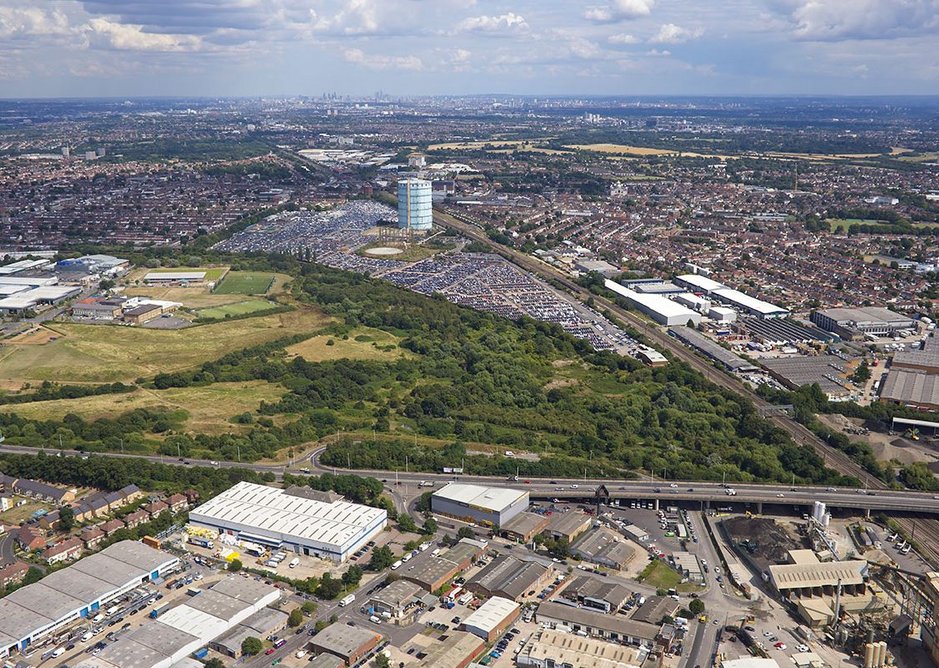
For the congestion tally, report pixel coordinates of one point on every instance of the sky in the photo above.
(52, 48)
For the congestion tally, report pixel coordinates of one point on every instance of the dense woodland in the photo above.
(474, 383)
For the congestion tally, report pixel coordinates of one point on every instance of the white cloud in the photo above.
(382, 62)
(506, 23)
(133, 38)
(32, 21)
(619, 10)
(835, 20)
(622, 38)
(670, 33)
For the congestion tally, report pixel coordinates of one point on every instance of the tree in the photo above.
(295, 618)
(465, 532)
(235, 565)
(352, 577)
(309, 607)
(329, 587)
(406, 523)
(381, 660)
(382, 558)
(214, 663)
(66, 518)
(251, 646)
(696, 607)
(430, 526)
(34, 574)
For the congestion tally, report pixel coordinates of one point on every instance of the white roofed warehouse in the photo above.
(280, 518)
(36, 611)
(491, 506)
(661, 309)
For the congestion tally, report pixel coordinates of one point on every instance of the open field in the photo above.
(189, 297)
(109, 353)
(209, 408)
(516, 144)
(211, 273)
(245, 283)
(36, 336)
(660, 575)
(620, 149)
(363, 344)
(238, 308)
(835, 223)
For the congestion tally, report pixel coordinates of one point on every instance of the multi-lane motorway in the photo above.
(902, 502)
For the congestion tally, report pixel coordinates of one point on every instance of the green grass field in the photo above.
(660, 575)
(238, 308)
(209, 408)
(245, 283)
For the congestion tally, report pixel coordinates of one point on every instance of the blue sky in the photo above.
(431, 47)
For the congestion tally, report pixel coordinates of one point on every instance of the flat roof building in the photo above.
(177, 633)
(171, 277)
(398, 602)
(661, 309)
(491, 506)
(911, 388)
(853, 323)
(278, 519)
(525, 526)
(38, 610)
(740, 300)
(656, 608)
(455, 650)
(548, 649)
(593, 593)
(605, 547)
(510, 578)
(612, 627)
(349, 643)
(492, 618)
(568, 525)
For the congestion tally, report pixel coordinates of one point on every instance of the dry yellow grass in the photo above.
(109, 353)
(37, 336)
(315, 349)
(209, 408)
(621, 149)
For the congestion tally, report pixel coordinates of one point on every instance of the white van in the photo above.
(294, 562)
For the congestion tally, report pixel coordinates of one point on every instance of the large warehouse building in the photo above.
(854, 323)
(492, 506)
(739, 300)
(284, 519)
(176, 634)
(35, 611)
(661, 309)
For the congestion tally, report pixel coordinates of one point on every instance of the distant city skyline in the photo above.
(52, 48)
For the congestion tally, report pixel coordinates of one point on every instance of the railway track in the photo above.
(925, 531)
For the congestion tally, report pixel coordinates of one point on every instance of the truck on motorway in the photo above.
(348, 600)
(730, 491)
